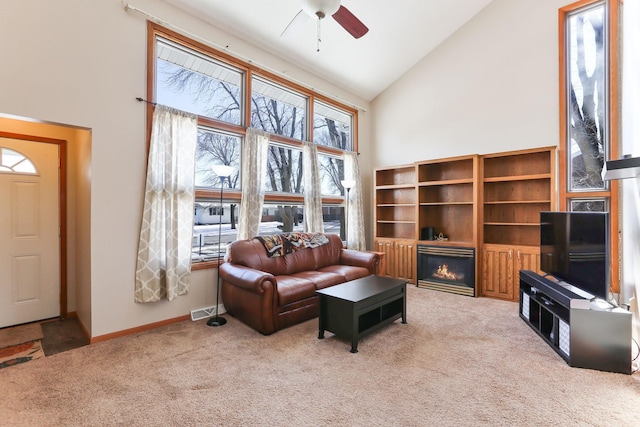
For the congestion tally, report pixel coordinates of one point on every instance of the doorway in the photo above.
(32, 229)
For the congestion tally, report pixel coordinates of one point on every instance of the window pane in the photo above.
(331, 173)
(587, 97)
(12, 161)
(281, 218)
(332, 217)
(206, 228)
(331, 127)
(584, 205)
(216, 148)
(284, 170)
(191, 82)
(277, 110)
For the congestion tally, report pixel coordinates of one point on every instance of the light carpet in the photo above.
(459, 361)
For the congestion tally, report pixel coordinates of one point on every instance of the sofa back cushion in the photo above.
(328, 254)
(251, 253)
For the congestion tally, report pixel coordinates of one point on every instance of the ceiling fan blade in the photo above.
(295, 25)
(349, 22)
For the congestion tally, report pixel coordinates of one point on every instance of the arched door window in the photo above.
(13, 162)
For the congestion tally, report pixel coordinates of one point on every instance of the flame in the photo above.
(443, 273)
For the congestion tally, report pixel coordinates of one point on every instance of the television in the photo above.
(574, 247)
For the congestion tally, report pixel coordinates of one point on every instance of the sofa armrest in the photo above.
(368, 260)
(245, 277)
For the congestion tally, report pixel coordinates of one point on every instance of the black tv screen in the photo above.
(574, 247)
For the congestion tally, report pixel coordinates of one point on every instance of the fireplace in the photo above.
(447, 269)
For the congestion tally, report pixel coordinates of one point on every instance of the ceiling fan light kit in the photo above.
(319, 9)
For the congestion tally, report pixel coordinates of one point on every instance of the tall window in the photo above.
(589, 109)
(229, 95)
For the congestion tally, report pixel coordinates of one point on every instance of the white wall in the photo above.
(82, 63)
(630, 224)
(491, 87)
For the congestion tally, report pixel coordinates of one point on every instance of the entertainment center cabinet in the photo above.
(584, 337)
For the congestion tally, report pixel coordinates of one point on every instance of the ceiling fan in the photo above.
(320, 9)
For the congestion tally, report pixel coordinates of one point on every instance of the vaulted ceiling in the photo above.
(400, 34)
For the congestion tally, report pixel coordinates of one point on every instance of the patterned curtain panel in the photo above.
(164, 253)
(356, 237)
(312, 190)
(254, 173)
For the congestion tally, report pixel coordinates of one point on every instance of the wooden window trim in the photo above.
(613, 129)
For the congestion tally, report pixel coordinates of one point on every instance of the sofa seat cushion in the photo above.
(347, 271)
(322, 279)
(292, 289)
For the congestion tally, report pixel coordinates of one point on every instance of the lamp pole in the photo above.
(223, 172)
(348, 184)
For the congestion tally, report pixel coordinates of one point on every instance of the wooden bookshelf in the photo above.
(516, 187)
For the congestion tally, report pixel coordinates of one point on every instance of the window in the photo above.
(277, 110)
(190, 81)
(192, 77)
(589, 110)
(12, 161)
(331, 127)
(214, 148)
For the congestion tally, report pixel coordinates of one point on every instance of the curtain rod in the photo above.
(129, 8)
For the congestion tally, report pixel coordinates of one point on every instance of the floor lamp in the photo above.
(223, 172)
(348, 184)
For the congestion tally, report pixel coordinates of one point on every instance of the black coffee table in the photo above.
(359, 307)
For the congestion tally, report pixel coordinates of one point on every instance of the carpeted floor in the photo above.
(459, 361)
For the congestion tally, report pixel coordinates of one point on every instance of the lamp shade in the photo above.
(348, 183)
(223, 171)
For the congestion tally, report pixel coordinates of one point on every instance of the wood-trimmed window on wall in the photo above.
(230, 95)
(588, 47)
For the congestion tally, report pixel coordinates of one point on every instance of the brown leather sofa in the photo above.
(272, 293)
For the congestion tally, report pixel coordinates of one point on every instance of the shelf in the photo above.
(395, 176)
(507, 224)
(517, 178)
(447, 182)
(395, 187)
(446, 204)
(517, 202)
(384, 221)
(396, 205)
(447, 243)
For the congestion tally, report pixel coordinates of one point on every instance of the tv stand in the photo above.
(585, 338)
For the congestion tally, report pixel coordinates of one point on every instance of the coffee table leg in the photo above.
(321, 319)
(354, 346)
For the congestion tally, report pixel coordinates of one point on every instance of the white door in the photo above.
(29, 231)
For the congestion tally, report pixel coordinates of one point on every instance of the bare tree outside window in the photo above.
(587, 93)
(188, 80)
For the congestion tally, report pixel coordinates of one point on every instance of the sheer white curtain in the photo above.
(163, 268)
(356, 237)
(312, 190)
(254, 173)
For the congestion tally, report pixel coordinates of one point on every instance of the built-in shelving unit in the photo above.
(395, 219)
(516, 187)
(490, 204)
(447, 200)
(396, 202)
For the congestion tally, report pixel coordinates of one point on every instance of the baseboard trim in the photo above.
(147, 327)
